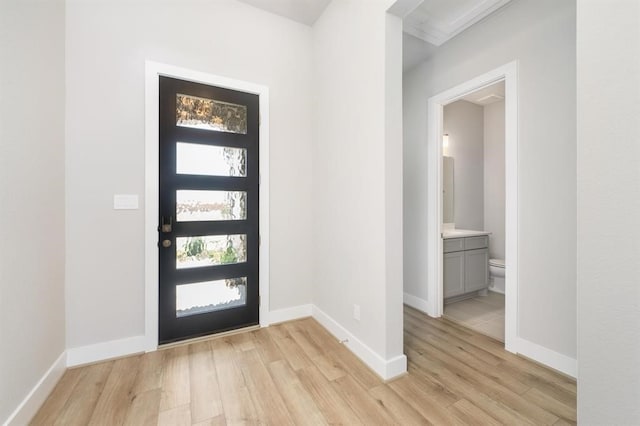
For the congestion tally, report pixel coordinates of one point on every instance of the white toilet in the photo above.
(496, 275)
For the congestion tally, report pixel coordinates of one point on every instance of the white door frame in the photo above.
(152, 72)
(508, 73)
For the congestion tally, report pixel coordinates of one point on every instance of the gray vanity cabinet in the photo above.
(476, 269)
(466, 265)
(454, 274)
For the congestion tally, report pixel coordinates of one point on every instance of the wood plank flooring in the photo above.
(297, 373)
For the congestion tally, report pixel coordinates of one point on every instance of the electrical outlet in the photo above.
(356, 312)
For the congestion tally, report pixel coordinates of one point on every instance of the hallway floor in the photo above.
(484, 314)
(297, 373)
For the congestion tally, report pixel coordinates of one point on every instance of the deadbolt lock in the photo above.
(166, 243)
(166, 227)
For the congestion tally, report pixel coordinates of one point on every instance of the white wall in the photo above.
(540, 35)
(356, 171)
(32, 196)
(608, 211)
(494, 178)
(107, 45)
(393, 189)
(464, 123)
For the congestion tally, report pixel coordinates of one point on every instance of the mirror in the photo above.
(447, 190)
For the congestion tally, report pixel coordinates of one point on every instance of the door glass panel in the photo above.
(209, 114)
(195, 159)
(194, 205)
(209, 250)
(209, 296)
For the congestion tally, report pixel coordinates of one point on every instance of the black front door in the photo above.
(209, 194)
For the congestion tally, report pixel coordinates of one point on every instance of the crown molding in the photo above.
(435, 30)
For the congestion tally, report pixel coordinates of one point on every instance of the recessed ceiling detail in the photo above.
(487, 95)
(436, 21)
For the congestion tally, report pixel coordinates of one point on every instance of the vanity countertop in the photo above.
(462, 233)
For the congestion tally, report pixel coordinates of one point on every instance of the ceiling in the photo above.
(429, 25)
(436, 21)
(303, 11)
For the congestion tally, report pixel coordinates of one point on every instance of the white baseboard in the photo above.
(415, 302)
(289, 314)
(137, 344)
(36, 397)
(546, 356)
(386, 369)
(395, 367)
(106, 350)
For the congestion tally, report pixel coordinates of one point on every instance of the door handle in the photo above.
(166, 243)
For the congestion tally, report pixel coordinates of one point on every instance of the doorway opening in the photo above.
(473, 211)
(467, 254)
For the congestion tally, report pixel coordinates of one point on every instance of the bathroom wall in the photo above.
(476, 142)
(464, 122)
(494, 180)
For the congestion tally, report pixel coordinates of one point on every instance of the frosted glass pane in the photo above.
(210, 296)
(195, 159)
(209, 114)
(194, 205)
(209, 250)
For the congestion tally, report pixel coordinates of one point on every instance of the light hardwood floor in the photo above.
(297, 373)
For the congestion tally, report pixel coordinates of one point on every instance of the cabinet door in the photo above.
(453, 277)
(476, 265)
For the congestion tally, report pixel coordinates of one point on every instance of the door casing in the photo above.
(152, 72)
(435, 107)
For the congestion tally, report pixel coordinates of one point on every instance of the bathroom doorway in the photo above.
(465, 254)
(473, 210)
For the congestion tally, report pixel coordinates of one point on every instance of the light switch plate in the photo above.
(125, 202)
